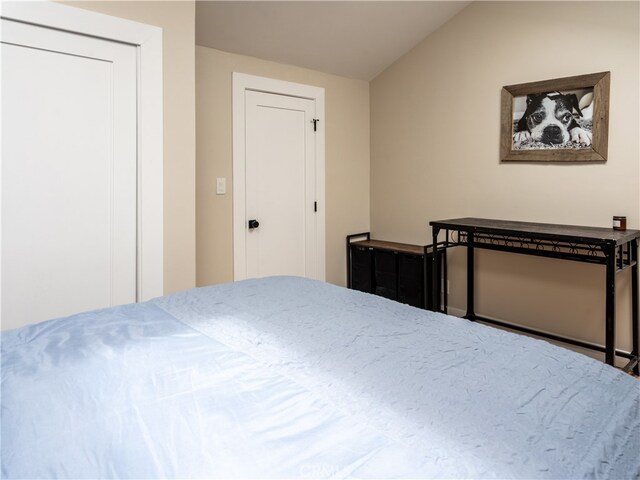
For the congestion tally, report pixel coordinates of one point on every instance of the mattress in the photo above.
(286, 377)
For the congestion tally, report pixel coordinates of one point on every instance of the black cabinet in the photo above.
(397, 271)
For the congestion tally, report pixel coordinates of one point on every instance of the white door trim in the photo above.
(241, 83)
(148, 40)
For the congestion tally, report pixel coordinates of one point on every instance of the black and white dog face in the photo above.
(549, 119)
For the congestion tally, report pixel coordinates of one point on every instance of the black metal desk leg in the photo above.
(635, 331)
(610, 304)
(445, 274)
(436, 273)
(470, 274)
(348, 263)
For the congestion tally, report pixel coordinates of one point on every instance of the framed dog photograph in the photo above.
(560, 120)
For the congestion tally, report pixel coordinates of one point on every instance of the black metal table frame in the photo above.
(615, 258)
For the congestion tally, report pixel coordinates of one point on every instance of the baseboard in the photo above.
(456, 312)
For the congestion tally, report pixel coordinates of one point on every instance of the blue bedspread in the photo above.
(292, 378)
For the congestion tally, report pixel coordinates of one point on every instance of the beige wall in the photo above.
(347, 158)
(435, 117)
(177, 20)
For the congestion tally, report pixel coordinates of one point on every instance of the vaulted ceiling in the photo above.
(355, 39)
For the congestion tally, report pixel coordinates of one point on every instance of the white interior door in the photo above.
(280, 185)
(68, 173)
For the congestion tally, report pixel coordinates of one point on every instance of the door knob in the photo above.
(254, 224)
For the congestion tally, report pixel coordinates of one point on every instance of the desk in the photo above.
(616, 250)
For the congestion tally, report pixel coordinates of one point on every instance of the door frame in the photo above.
(241, 83)
(148, 41)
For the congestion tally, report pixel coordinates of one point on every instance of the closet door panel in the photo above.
(68, 173)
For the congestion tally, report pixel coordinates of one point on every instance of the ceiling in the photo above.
(355, 39)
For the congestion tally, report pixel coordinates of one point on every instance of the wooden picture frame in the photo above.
(510, 147)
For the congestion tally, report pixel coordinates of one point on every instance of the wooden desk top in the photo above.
(391, 246)
(571, 233)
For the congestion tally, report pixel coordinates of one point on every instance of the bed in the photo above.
(287, 377)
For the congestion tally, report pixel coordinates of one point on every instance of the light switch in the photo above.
(221, 186)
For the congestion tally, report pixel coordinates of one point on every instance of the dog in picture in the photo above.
(549, 119)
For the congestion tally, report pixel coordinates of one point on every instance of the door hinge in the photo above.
(315, 124)
(315, 206)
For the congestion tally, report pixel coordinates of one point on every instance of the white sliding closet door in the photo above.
(69, 180)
